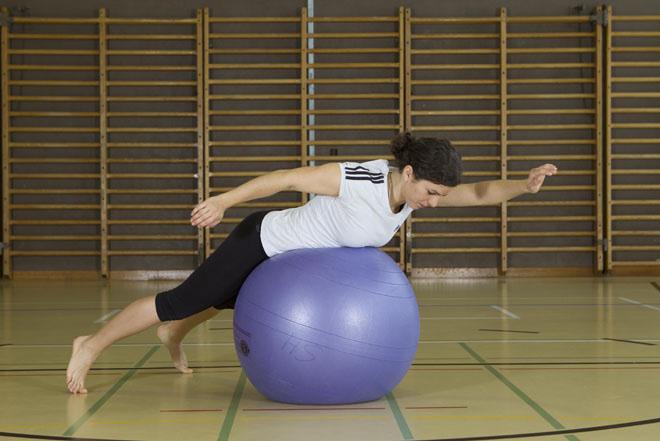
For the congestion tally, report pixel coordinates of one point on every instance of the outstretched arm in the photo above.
(324, 179)
(496, 192)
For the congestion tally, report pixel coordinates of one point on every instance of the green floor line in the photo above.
(398, 416)
(106, 396)
(233, 409)
(531, 403)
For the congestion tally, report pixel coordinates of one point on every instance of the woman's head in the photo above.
(429, 167)
(431, 159)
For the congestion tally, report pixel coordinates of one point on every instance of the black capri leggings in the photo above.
(218, 279)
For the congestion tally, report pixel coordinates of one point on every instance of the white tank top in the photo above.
(360, 216)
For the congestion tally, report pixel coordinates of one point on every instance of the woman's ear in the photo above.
(408, 173)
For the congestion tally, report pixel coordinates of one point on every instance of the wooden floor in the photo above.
(496, 356)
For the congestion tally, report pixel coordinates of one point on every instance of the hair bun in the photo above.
(400, 145)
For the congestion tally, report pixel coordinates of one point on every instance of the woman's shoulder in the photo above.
(376, 166)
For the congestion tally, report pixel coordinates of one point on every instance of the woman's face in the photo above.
(420, 193)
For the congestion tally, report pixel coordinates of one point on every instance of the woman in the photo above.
(356, 205)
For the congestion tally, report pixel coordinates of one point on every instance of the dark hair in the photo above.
(433, 159)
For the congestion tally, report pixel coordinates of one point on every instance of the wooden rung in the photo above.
(552, 81)
(636, 156)
(254, 19)
(635, 247)
(454, 20)
(150, 161)
(54, 206)
(636, 80)
(51, 67)
(452, 235)
(535, 142)
(55, 237)
(55, 253)
(54, 176)
(54, 129)
(552, 65)
(54, 114)
(150, 207)
(551, 249)
(461, 36)
(550, 218)
(55, 222)
(354, 112)
(149, 114)
(151, 68)
(636, 263)
(150, 83)
(454, 219)
(454, 97)
(561, 173)
(550, 157)
(553, 204)
(253, 143)
(53, 52)
(254, 127)
(150, 52)
(352, 35)
(152, 21)
(148, 222)
(636, 49)
(636, 64)
(352, 19)
(151, 98)
(348, 96)
(239, 36)
(637, 202)
(241, 51)
(453, 250)
(152, 191)
(513, 35)
(158, 237)
(637, 140)
(552, 112)
(453, 82)
(150, 37)
(44, 83)
(353, 81)
(354, 51)
(454, 51)
(637, 233)
(636, 125)
(150, 145)
(243, 97)
(20, 36)
(152, 253)
(352, 127)
(636, 34)
(552, 50)
(253, 158)
(253, 112)
(553, 127)
(54, 160)
(454, 66)
(54, 145)
(54, 98)
(635, 172)
(259, 81)
(456, 128)
(635, 187)
(63, 191)
(551, 234)
(454, 112)
(151, 175)
(551, 96)
(152, 130)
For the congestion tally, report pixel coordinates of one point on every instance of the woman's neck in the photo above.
(394, 191)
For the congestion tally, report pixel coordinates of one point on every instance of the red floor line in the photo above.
(320, 409)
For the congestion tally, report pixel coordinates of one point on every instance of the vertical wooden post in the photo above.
(402, 116)
(201, 140)
(406, 109)
(608, 136)
(304, 143)
(504, 123)
(103, 133)
(206, 118)
(6, 139)
(598, 261)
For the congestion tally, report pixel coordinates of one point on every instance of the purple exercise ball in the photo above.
(326, 326)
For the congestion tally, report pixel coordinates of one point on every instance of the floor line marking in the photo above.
(505, 312)
(106, 396)
(656, 285)
(509, 330)
(625, 299)
(104, 318)
(516, 390)
(630, 341)
(398, 416)
(230, 416)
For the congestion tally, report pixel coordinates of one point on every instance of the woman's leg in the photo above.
(215, 282)
(136, 317)
(171, 334)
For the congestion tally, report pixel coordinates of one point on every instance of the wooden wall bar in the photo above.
(633, 140)
(113, 129)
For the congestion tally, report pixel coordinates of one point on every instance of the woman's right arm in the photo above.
(324, 179)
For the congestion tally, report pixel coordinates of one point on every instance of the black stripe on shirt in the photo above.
(366, 178)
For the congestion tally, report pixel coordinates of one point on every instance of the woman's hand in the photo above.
(537, 176)
(208, 213)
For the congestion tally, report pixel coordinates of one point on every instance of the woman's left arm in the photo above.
(498, 191)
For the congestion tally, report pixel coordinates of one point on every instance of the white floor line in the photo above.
(464, 318)
(104, 318)
(505, 312)
(625, 299)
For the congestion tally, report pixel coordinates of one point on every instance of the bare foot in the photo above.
(81, 360)
(173, 345)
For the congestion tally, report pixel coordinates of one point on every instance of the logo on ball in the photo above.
(245, 349)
